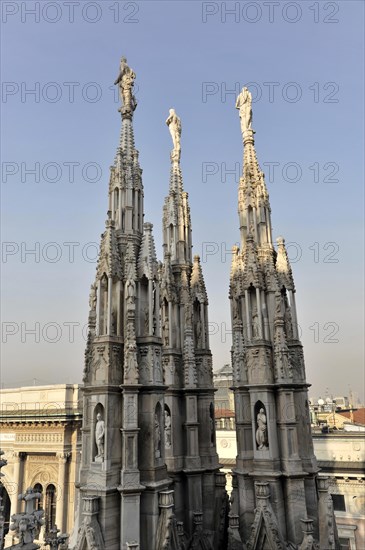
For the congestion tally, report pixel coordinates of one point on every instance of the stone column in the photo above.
(157, 310)
(268, 217)
(265, 316)
(150, 307)
(293, 313)
(18, 480)
(327, 525)
(203, 328)
(62, 490)
(259, 312)
(109, 308)
(248, 317)
(98, 308)
(255, 225)
(130, 487)
(119, 313)
(171, 321)
(112, 204)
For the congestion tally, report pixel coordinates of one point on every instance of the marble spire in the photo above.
(275, 450)
(176, 212)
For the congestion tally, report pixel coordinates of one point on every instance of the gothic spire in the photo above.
(147, 261)
(176, 211)
(197, 283)
(253, 199)
(125, 187)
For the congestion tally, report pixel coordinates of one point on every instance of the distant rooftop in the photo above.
(225, 370)
(357, 416)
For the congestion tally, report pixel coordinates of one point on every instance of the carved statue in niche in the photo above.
(131, 365)
(130, 291)
(92, 297)
(261, 430)
(165, 332)
(157, 437)
(146, 321)
(235, 309)
(114, 322)
(167, 430)
(255, 324)
(278, 301)
(198, 333)
(188, 313)
(99, 436)
(244, 104)
(158, 369)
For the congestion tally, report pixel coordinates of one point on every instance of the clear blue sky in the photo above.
(187, 55)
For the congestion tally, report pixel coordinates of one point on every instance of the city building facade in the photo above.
(40, 436)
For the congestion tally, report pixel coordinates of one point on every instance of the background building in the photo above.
(40, 435)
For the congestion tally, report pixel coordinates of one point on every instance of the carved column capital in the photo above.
(63, 457)
(19, 455)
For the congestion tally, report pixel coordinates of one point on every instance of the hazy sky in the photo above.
(303, 62)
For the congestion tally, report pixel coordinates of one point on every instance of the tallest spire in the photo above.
(125, 187)
(253, 199)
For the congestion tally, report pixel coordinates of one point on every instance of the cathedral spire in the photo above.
(176, 220)
(268, 369)
(253, 199)
(125, 187)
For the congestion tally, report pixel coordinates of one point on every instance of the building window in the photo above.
(345, 543)
(50, 507)
(39, 501)
(339, 503)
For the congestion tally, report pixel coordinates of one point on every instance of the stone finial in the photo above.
(283, 268)
(27, 524)
(54, 540)
(307, 529)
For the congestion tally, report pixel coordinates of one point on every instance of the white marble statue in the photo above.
(174, 124)
(99, 435)
(244, 104)
(255, 324)
(92, 297)
(130, 291)
(167, 430)
(261, 432)
(165, 332)
(125, 81)
(157, 437)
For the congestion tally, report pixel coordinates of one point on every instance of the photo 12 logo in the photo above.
(70, 12)
(56, 92)
(275, 172)
(273, 91)
(270, 12)
(50, 172)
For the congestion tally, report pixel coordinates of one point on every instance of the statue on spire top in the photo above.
(126, 80)
(174, 124)
(244, 104)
